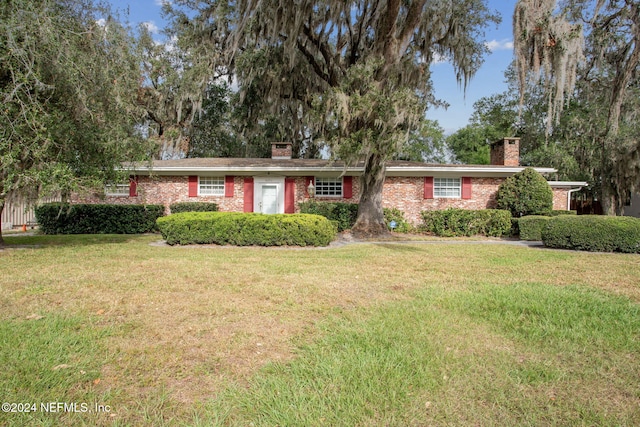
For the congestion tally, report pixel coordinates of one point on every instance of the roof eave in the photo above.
(304, 170)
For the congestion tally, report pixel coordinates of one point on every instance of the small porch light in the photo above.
(311, 189)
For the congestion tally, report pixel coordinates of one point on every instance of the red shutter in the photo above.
(133, 186)
(466, 187)
(308, 180)
(428, 187)
(248, 194)
(289, 195)
(347, 187)
(193, 186)
(228, 186)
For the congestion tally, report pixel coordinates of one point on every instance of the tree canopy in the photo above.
(353, 74)
(69, 77)
(594, 44)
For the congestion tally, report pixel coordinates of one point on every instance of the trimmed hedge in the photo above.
(593, 233)
(344, 214)
(64, 218)
(463, 222)
(193, 207)
(245, 229)
(531, 226)
(557, 212)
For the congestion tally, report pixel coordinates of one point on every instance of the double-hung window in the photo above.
(328, 187)
(211, 186)
(447, 187)
(117, 190)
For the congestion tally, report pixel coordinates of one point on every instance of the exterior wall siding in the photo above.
(404, 193)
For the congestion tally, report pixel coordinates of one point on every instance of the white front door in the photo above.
(268, 195)
(269, 199)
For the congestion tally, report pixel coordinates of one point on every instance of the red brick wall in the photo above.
(166, 190)
(407, 194)
(404, 193)
(560, 199)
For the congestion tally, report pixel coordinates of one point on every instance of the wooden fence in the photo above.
(17, 214)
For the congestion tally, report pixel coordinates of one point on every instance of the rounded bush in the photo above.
(245, 229)
(525, 193)
(593, 233)
(531, 226)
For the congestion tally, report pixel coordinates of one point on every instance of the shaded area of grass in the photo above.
(38, 240)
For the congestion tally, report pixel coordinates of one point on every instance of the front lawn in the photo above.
(113, 330)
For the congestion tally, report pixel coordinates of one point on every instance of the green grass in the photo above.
(376, 334)
(412, 363)
(49, 359)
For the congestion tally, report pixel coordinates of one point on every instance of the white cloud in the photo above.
(162, 2)
(504, 44)
(101, 22)
(439, 59)
(151, 27)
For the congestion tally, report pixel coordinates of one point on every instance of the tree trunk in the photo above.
(370, 221)
(607, 199)
(1, 209)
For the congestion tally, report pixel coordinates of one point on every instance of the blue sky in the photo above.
(488, 80)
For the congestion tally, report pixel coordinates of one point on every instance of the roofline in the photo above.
(392, 170)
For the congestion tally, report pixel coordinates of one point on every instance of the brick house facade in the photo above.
(280, 184)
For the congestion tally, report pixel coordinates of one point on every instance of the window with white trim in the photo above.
(447, 187)
(211, 186)
(116, 190)
(328, 187)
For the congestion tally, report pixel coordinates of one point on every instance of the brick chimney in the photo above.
(506, 152)
(281, 150)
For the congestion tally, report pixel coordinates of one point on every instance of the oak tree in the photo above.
(69, 76)
(356, 73)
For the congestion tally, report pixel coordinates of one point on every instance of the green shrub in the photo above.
(531, 226)
(593, 233)
(193, 207)
(64, 218)
(525, 193)
(562, 212)
(244, 229)
(344, 214)
(393, 214)
(463, 222)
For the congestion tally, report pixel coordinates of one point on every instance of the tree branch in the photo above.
(412, 21)
(325, 51)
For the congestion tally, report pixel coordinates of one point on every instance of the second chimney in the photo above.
(506, 152)
(281, 150)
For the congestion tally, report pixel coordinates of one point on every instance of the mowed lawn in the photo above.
(114, 330)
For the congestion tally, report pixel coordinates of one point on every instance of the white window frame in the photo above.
(447, 188)
(329, 187)
(117, 190)
(211, 186)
